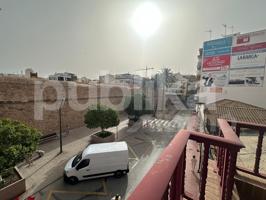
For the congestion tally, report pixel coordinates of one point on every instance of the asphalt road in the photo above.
(145, 146)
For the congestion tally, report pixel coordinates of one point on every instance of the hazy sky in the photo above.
(89, 37)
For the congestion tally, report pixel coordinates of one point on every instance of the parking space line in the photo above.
(49, 195)
(134, 165)
(104, 193)
(133, 152)
(79, 192)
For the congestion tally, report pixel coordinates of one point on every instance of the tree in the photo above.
(168, 77)
(101, 116)
(17, 142)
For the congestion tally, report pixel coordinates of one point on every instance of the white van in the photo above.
(98, 160)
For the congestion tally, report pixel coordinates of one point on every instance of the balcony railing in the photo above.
(166, 179)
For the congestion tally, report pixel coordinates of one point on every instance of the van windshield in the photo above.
(77, 159)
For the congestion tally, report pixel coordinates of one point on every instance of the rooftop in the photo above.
(237, 111)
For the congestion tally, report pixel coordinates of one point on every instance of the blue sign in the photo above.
(219, 43)
(217, 52)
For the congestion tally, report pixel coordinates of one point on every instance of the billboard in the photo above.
(248, 59)
(216, 63)
(247, 77)
(241, 58)
(216, 54)
(214, 79)
(249, 38)
(218, 43)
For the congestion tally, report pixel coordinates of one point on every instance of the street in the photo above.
(45, 181)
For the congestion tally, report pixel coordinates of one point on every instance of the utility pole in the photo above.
(210, 32)
(225, 29)
(60, 125)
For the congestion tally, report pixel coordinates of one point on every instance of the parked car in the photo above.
(98, 160)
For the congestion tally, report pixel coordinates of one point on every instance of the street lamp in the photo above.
(60, 124)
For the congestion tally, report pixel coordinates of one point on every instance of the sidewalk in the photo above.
(192, 175)
(50, 167)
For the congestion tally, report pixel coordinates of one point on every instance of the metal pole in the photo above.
(60, 125)
(60, 131)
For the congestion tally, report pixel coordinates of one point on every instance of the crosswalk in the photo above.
(159, 125)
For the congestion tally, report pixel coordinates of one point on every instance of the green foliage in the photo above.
(101, 116)
(17, 141)
(103, 134)
(168, 77)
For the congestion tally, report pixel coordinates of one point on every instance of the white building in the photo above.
(63, 77)
(234, 68)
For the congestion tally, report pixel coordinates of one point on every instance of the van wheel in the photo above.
(73, 180)
(118, 174)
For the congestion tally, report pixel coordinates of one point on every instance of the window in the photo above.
(77, 159)
(83, 163)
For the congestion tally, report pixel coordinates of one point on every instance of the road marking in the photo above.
(49, 195)
(133, 152)
(136, 157)
(104, 193)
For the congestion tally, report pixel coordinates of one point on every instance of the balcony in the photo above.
(171, 177)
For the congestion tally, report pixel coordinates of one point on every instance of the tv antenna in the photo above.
(232, 29)
(225, 29)
(210, 32)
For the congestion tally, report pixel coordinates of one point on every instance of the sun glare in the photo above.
(146, 19)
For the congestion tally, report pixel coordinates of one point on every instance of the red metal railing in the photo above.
(165, 180)
(166, 177)
(261, 129)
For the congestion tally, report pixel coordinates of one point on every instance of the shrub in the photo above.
(17, 141)
(101, 116)
(103, 134)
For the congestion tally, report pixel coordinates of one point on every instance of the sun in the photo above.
(146, 19)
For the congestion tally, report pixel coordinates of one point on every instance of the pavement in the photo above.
(146, 141)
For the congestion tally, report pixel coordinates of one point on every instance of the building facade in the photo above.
(233, 68)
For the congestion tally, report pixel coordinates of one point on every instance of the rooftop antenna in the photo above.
(225, 29)
(210, 32)
(232, 29)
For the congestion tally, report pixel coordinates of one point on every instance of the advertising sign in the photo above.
(248, 59)
(216, 52)
(250, 38)
(239, 60)
(251, 47)
(247, 77)
(216, 63)
(214, 79)
(216, 44)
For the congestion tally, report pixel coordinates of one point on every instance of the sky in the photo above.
(95, 37)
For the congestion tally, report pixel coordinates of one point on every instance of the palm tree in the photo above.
(168, 77)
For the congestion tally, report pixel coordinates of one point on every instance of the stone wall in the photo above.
(37, 101)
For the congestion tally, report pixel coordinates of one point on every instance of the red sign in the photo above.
(216, 63)
(243, 39)
(250, 47)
